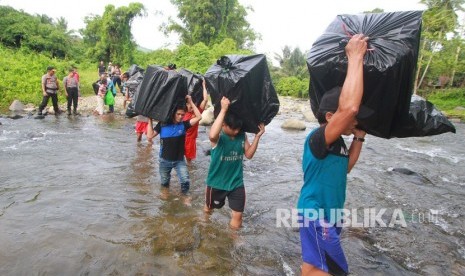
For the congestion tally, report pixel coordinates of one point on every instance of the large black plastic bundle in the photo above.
(160, 93)
(389, 67)
(133, 84)
(135, 69)
(424, 120)
(194, 85)
(246, 82)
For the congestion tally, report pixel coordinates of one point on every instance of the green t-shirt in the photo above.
(225, 172)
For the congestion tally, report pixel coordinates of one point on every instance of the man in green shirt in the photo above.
(225, 175)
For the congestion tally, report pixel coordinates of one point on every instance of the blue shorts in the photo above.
(321, 247)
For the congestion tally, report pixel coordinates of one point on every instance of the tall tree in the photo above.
(109, 36)
(211, 21)
(438, 20)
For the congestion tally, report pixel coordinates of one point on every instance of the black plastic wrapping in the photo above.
(194, 85)
(424, 120)
(133, 84)
(135, 69)
(246, 82)
(160, 93)
(389, 66)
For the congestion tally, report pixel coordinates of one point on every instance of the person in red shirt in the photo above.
(190, 146)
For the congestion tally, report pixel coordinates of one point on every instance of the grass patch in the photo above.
(447, 100)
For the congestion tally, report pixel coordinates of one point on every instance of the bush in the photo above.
(292, 86)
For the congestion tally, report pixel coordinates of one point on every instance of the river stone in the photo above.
(16, 105)
(15, 117)
(459, 108)
(207, 117)
(293, 124)
(308, 115)
(29, 109)
(455, 120)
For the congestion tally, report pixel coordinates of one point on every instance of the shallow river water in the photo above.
(79, 196)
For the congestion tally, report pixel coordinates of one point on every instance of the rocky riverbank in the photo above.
(296, 111)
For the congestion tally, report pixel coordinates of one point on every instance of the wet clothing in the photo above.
(225, 171)
(322, 194)
(172, 137)
(165, 167)
(321, 247)
(141, 127)
(190, 149)
(215, 198)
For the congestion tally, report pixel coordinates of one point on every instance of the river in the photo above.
(79, 196)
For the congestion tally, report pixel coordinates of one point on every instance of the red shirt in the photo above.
(193, 130)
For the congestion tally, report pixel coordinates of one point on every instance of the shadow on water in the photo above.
(79, 196)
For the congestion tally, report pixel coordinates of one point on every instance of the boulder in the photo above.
(293, 124)
(308, 115)
(16, 106)
(459, 108)
(207, 117)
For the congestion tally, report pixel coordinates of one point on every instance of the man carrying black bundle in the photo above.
(326, 162)
(172, 140)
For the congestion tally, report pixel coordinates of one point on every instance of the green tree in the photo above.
(439, 20)
(109, 37)
(210, 22)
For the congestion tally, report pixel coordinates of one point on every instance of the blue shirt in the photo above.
(325, 176)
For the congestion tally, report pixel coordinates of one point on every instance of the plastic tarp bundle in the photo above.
(133, 84)
(246, 82)
(160, 92)
(194, 85)
(135, 69)
(424, 118)
(389, 68)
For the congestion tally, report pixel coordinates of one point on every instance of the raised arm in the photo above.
(218, 123)
(250, 149)
(150, 131)
(203, 104)
(352, 90)
(195, 120)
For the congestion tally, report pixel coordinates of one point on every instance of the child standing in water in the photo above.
(225, 175)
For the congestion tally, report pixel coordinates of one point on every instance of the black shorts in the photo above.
(215, 198)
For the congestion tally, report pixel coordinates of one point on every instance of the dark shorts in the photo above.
(215, 198)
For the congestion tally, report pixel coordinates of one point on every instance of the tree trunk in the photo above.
(417, 75)
(451, 83)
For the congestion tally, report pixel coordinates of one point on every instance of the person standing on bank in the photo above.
(50, 87)
(225, 175)
(101, 68)
(71, 85)
(172, 139)
(326, 163)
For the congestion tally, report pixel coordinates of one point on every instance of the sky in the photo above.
(295, 23)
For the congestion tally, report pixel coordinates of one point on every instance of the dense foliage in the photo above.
(109, 37)
(38, 33)
(208, 29)
(210, 22)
